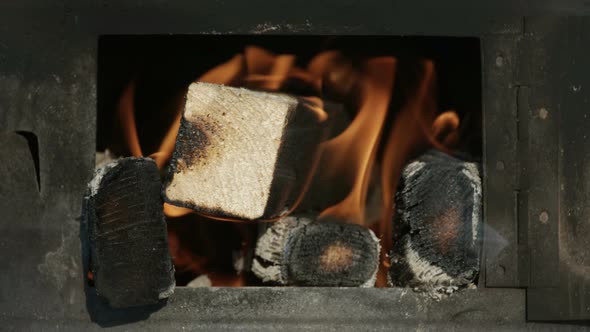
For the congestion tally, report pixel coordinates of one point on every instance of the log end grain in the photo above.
(127, 237)
(438, 222)
(301, 252)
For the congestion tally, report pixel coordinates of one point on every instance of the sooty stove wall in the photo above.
(535, 156)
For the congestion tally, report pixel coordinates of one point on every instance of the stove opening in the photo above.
(301, 160)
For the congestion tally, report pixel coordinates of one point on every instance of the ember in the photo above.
(264, 136)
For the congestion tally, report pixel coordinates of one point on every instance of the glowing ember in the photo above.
(336, 257)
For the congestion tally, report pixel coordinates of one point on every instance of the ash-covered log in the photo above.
(438, 223)
(127, 238)
(241, 153)
(300, 251)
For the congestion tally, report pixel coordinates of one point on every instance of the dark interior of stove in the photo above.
(165, 65)
(162, 67)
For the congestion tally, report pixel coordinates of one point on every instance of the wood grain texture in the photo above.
(241, 153)
(127, 236)
(438, 225)
(299, 251)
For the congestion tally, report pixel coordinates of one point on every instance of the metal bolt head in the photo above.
(544, 217)
(499, 61)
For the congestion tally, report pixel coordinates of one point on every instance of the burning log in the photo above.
(127, 239)
(299, 251)
(439, 220)
(241, 153)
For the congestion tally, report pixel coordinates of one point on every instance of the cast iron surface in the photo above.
(536, 189)
(315, 308)
(47, 87)
(559, 226)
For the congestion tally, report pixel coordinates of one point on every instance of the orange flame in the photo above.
(126, 112)
(405, 137)
(356, 148)
(267, 71)
(352, 156)
(446, 129)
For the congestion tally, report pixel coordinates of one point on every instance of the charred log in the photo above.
(129, 257)
(299, 251)
(438, 223)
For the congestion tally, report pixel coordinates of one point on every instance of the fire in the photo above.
(407, 135)
(126, 112)
(209, 248)
(354, 151)
(267, 71)
(368, 156)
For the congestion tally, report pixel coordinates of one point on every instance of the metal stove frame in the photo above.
(534, 99)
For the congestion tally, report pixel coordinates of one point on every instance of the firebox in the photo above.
(228, 153)
(503, 96)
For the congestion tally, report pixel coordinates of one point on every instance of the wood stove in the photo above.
(533, 94)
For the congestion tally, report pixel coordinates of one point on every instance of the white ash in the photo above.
(104, 161)
(412, 168)
(472, 173)
(271, 273)
(167, 292)
(429, 278)
(200, 281)
(103, 158)
(267, 263)
(106, 165)
(371, 281)
(409, 172)
(239, 264)
(99, 173)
